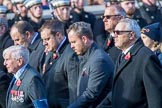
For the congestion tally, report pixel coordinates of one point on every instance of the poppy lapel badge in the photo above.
(55, 56)
(18, 82)
(108, 42)
(127, 56)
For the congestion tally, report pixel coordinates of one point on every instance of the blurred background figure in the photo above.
(20, 12)
(79, 14)
(151, 11)
(61, 11)
(132, 12)
(1, 2)
(152, 37)
(111, 2)
(3, 11)
(35, 11)
(5, 40)
(8, 4)
(45, 4)
(95, 2)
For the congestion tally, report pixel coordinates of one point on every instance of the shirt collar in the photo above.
(127, 50)
(19, 72)
(61, 44)
(36, 34)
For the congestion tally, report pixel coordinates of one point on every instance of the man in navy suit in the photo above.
(60, 69)
(137, 77)
(96, 67)
(26, 89)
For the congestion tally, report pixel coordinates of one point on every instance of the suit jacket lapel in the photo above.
(9, 90)
(119, 67)
(16, 87)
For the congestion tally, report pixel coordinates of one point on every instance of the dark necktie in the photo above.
(12, 81)
(121, 58)
(11, 84)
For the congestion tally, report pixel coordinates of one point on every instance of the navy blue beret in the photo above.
(153, 31)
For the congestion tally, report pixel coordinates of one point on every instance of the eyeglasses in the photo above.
(108, 16)
(120, 32)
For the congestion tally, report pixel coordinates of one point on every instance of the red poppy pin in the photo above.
(127, 56)
(18, 83)
(55, 56)
(108, 42)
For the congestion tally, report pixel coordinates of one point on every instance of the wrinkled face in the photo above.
(19, 39)
(122, 36)
(49, 41)
(62, 13)
(148, 42)
(11, 64)
(112, 19)
(129, 7)
(22, 9)
(77, 43)
(36, 10)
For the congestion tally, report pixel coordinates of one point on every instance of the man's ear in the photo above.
(20, 61)
(132, 36)
(27, 34)
(84, 39)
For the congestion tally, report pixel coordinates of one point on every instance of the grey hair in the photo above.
(132, 25)
(81, 29)
(17, 52)
(118, 10)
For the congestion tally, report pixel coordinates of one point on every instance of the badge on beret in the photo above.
(145, 30)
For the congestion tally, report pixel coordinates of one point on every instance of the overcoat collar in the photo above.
(133, 51)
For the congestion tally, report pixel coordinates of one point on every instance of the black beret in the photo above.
(153, 31)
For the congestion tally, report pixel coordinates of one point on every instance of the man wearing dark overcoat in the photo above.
(137, 77)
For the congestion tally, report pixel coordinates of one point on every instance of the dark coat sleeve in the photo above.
(4, 84)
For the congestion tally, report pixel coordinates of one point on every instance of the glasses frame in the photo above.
(118, 32)
(108, 16)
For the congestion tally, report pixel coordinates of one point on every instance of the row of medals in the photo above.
(17, 96)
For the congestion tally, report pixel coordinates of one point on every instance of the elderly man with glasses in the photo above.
(112, 15)
(137, 76)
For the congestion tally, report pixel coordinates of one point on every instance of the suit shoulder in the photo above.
(146, 51)
(31, 72)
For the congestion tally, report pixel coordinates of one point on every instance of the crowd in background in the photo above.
(78, 60)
